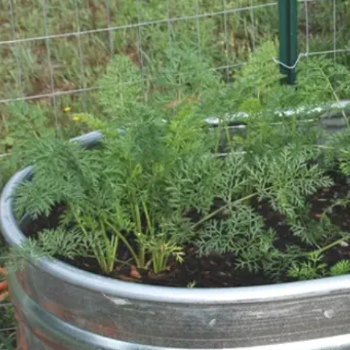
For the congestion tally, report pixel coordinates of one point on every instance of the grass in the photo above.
(75, 62)
(6, 319)
(72, 62)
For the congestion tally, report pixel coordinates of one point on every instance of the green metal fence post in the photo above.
(283, 34)
(293, 37)
(288, 36)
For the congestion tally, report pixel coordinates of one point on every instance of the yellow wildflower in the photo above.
(76, 118)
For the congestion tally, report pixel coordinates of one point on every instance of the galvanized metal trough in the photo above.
(63, 308)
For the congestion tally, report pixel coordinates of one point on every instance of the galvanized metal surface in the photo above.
(60, 307)
(41, 330)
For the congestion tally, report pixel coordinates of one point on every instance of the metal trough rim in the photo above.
(79, 339)
(112, 287)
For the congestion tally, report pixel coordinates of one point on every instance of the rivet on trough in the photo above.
(329, 313)
(212, 323)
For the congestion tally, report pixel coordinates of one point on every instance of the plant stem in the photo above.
(141, 251)
(111, 247)
(148, 218)
(98, 254)
(332, 148)
(159, 260)
(114, 249)
(141, 259)
(228, 135)
(215, 212)
(335, 96)
(218, 143)
(125, 241)
(137, 217)
(333, 244)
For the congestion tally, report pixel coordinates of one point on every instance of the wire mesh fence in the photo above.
(133, 35)
(52, 51)
(58, 54)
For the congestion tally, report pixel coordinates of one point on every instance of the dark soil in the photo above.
(219, 270)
